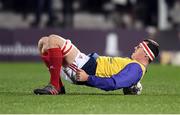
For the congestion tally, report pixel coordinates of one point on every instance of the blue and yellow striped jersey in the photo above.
(111, 73)
(108, 66)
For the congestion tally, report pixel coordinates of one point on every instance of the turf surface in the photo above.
(161, 93)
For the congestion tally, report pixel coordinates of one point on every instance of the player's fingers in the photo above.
(78, 78)
(77, 72)
(80, 70)
(78, 75)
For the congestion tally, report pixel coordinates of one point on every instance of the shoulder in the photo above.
(134, 67)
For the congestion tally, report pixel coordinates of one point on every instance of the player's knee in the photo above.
(43, 44)
(42, 41)
(57, 37)
(53, 41)
(54, 36)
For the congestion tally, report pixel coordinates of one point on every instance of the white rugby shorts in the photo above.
(69, 73)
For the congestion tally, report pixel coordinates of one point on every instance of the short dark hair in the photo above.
(154, 46)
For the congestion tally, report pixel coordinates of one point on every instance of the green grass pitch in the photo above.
(161, 93)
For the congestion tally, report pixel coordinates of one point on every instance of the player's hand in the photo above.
(81, 75)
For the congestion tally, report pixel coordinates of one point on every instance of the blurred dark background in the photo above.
(116, 24)
(138, 14)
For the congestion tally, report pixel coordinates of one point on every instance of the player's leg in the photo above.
(42, 46)
(52, 56)
(53, 50)
(72, 57)
(68, 49)
(55, 60)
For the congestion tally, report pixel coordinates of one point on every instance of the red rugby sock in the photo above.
(45, 58)
(55, 63)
